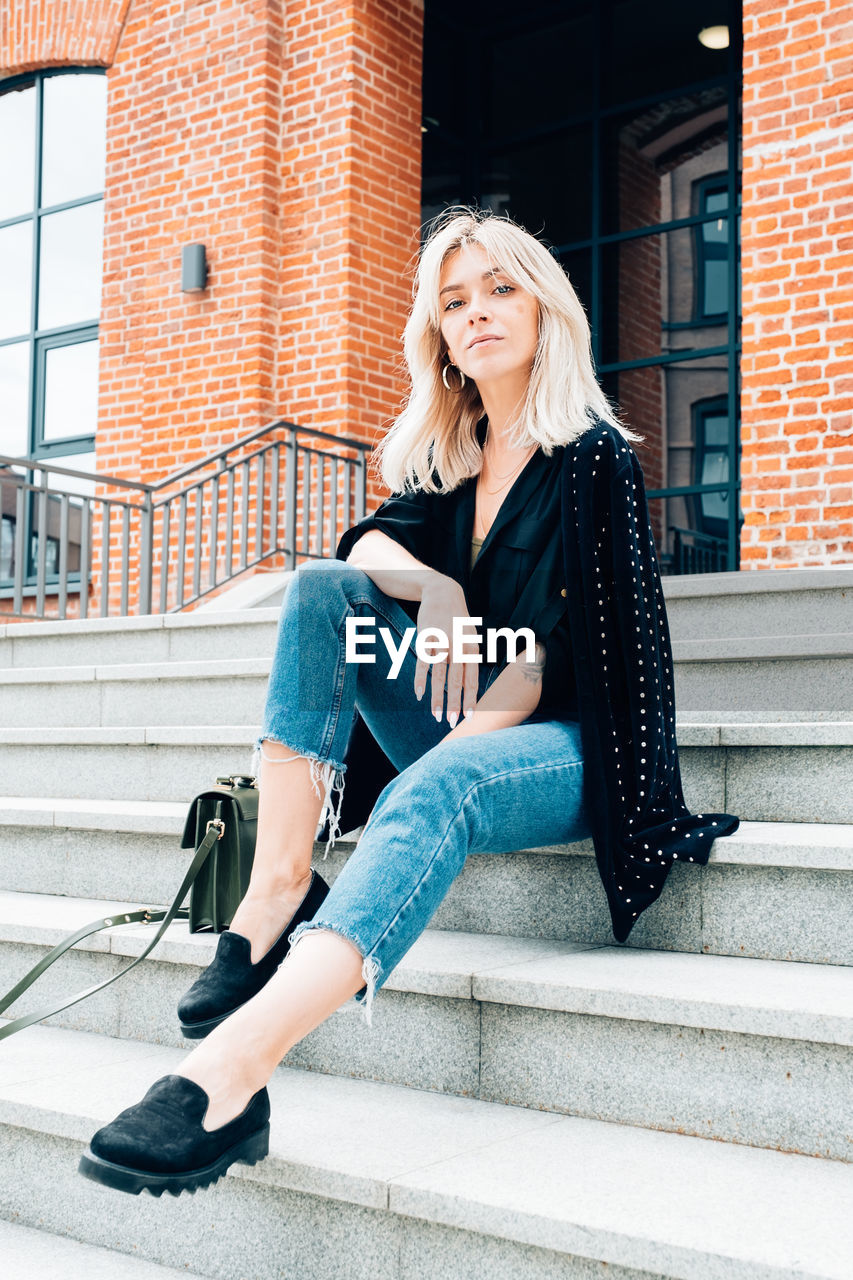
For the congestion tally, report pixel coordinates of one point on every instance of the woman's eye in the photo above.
(501, 288)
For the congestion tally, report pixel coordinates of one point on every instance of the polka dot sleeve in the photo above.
(623, 663)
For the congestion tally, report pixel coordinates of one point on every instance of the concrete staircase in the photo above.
(533, 1101)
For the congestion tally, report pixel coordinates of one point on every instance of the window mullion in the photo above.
(35, 428)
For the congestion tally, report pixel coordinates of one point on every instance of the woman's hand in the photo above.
(443, 600)
(509, 700)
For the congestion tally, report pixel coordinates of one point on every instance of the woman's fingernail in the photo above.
(469, 713)
(436, 711)
(419, 691)
(453, 717)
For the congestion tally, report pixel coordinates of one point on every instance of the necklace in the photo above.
(481, 489)
(504, 478)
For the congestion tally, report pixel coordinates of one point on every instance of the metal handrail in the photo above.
(171, 544)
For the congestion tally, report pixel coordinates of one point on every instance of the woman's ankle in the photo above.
(263, 914)
(229, 1091)
(279, 887)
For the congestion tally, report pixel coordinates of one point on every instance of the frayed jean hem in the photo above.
(369, 967)
(327, 772)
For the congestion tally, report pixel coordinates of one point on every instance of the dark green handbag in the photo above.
(221, 826)
(230, 808)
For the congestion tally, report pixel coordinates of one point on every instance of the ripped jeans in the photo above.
(495, 792)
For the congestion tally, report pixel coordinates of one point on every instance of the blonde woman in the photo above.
(517, 511)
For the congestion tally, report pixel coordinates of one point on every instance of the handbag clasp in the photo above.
(218, 825)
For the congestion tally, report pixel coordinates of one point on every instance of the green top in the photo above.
(476, 544)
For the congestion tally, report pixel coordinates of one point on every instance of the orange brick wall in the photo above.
(797, 238)
(286, 138)
(35, 34)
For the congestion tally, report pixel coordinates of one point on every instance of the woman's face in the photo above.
(490, 324)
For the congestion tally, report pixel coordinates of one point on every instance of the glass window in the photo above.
(14, 398)
(71, 391)
(578, 267)
(73, 134)
(652, 155)
(712, 455)
(601, 127)
(653, 46)
(445, 98)
(7, 547)
(17, 151)
(16, 279)
(70, 266)
(535, 76)
(441, 173)
(52, 152)
(52, 137)
(545, 185)
(712, 251)
(663, 277)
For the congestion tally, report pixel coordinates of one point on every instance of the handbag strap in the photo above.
(147, 915)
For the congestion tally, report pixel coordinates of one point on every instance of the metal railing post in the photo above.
(290, 502)
(146, 553)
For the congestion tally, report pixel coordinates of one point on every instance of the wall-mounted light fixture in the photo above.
(714, 37)
(193, 268)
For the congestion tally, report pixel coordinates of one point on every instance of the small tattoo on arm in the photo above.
(532, 671)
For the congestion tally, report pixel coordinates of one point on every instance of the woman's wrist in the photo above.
(509, 700)
(437, 585)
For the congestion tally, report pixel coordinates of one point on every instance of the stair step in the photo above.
(535, 1022)
(742, 679)
(156, 638)
(807, 845)
(27, 1252)
(177, 692)
(409, 1183)
(748, 901)
(769, 678)
(763, 772)
(753, 603)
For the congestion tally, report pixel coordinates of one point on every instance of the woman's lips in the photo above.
(481, 342)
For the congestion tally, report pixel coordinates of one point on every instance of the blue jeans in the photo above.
(494, 792)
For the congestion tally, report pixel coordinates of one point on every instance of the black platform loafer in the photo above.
(160, 1144)
(231, 979)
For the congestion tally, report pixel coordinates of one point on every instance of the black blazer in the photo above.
(518, 577)
(588, 582)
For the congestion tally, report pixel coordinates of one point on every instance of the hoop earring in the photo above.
(444, 377)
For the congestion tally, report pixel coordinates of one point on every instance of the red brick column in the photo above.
(289, 144)
(350, 210)
(797, 278)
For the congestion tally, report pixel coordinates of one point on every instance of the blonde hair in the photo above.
(435, 435)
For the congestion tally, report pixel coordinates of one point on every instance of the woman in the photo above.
(519, 505)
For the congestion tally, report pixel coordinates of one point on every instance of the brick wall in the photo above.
(286, 139)
(36, 34)
(797, 237)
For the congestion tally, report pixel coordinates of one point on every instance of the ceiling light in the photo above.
(714, 37)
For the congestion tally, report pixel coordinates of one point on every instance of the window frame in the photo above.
(710, 184)
(39, 341)
(590, 249)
